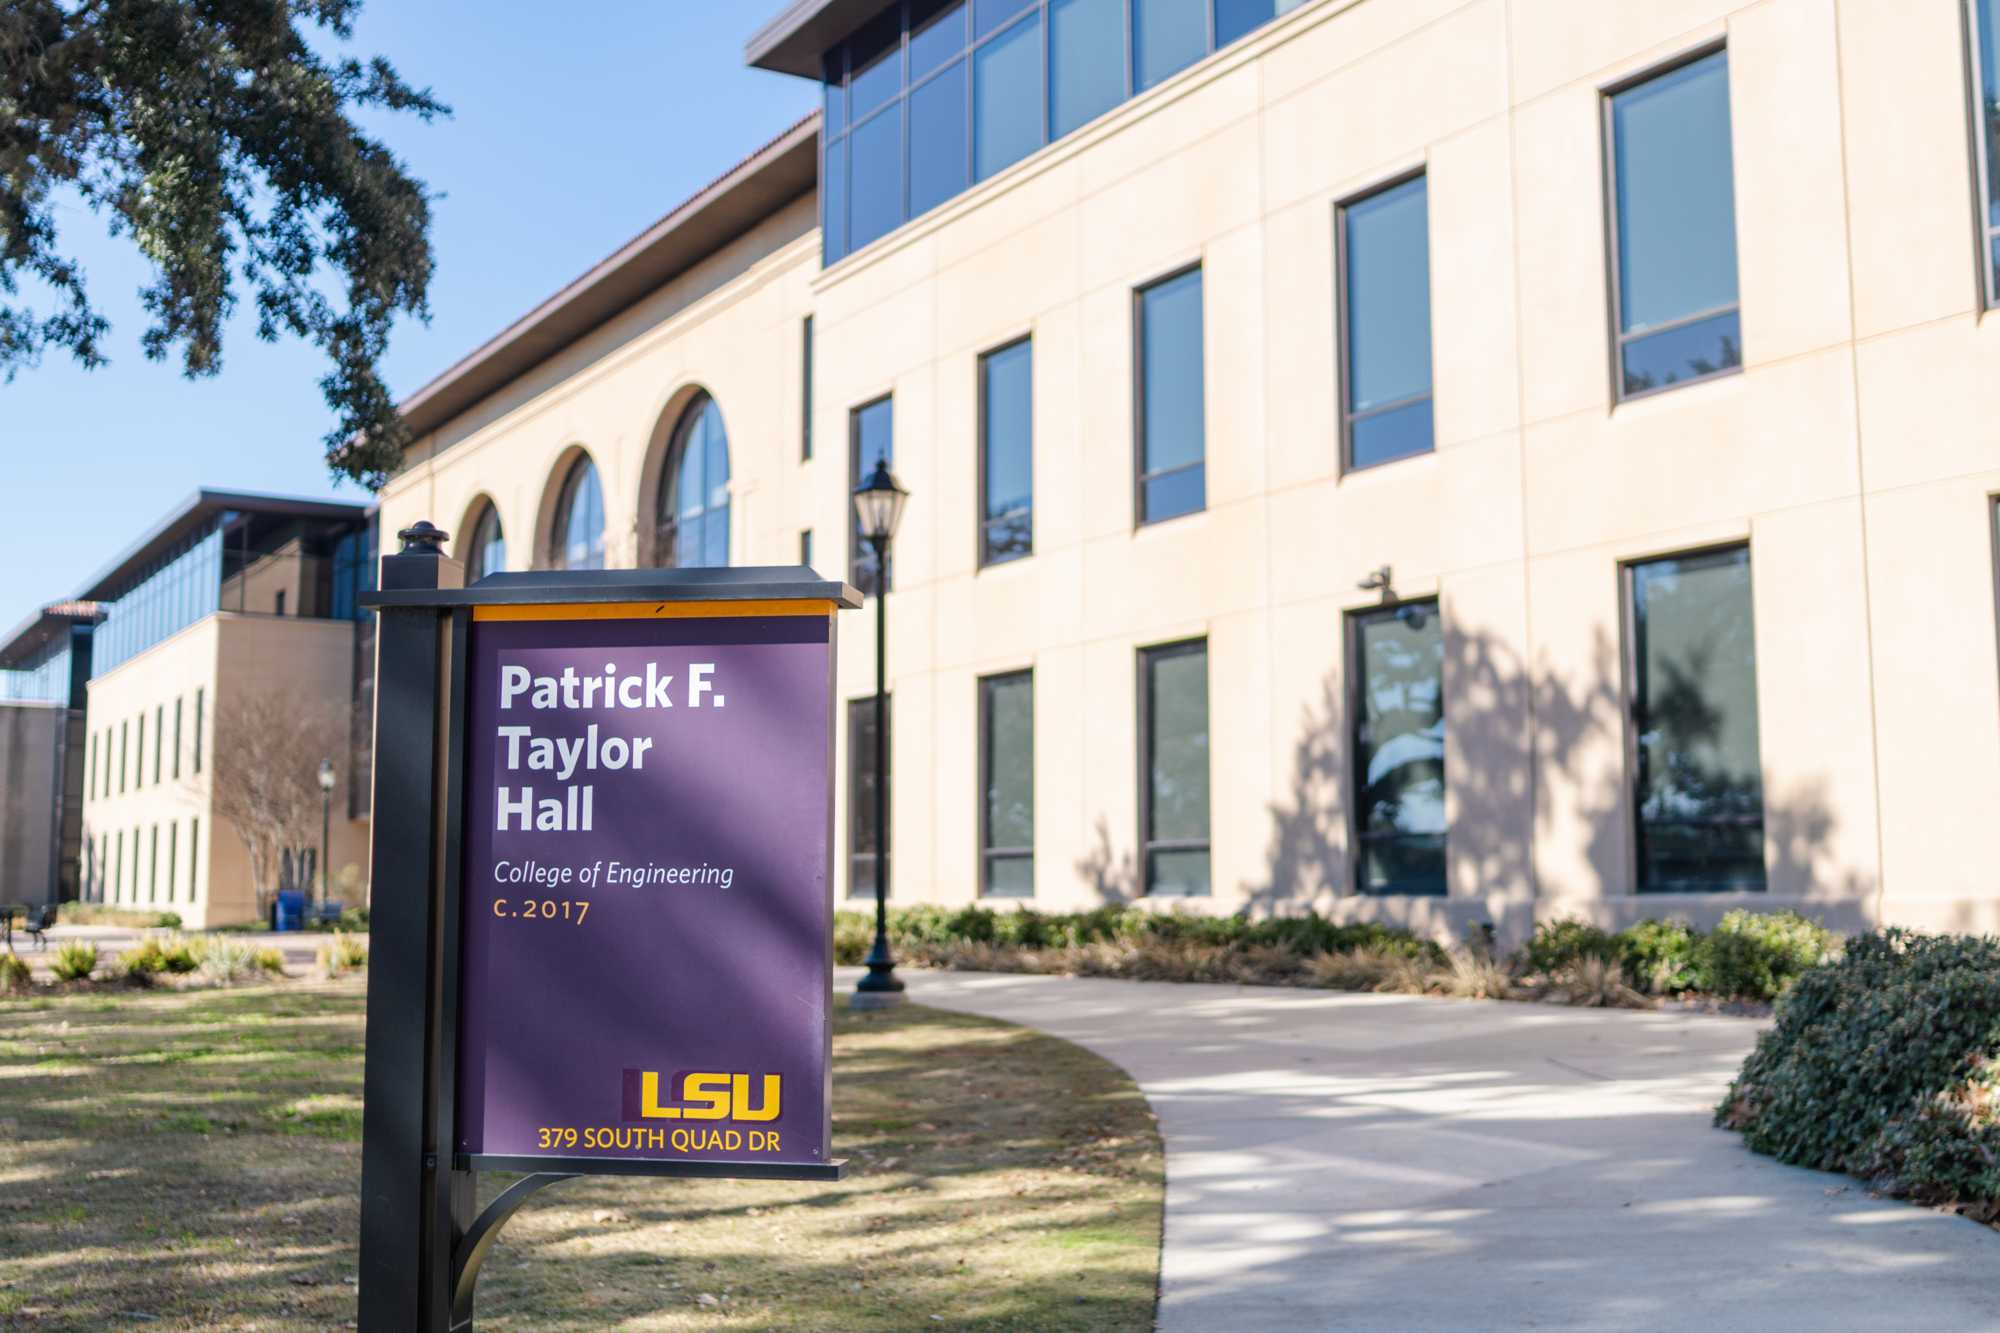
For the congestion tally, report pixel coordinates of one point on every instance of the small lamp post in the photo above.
(878, 509)
(326, 781)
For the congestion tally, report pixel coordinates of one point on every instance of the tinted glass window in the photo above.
(1007, 711)
(877, 62)
(876, 149)
(1167, 37)
(1987, 115)
(1007, 440)
(873, 430)
(833, 200)
(1171, 399)
(834, 119)
(1174, 682)
(1674, 211)
(1086, 61)
(988, 15)
(935, 37)
(1387, 280)
(580, 520)
(693, 522)
(862, 793)
(937, 139)
(1399, 749)
(1238, 18)
(1007, 98)
(488, 549)
(1700, 779)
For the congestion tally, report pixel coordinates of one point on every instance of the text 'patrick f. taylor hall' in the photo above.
(1436, 460)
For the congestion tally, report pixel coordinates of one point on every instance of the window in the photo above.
(139, 754)
(1398, 719)
(1693, 672)
(1169, 398)
(937, 94)
(1673, 219)
(173, 856)
(118, 868)
(862, 794)
(1007, 98)
(1086, 61)
(123, 753)
(197, 730)
(90, 768)
(871, 438)
(1007, 785)
(177, 739)
(153, 868)
(579, 534)
(692, 527)
(278, 603)
(1986, 130)
(1006, 453)
(1173, 766)
(1385, 309)
(194, 859)
(1167, 37)
(806, 547)
(806, 389)
(159, 743)
(486, 552)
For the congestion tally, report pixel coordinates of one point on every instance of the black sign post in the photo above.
(612, 1102)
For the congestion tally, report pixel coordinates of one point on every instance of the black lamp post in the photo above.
(878, 508)
(326, 781)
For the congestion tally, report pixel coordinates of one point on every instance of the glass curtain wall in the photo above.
(1399, 749)
(178, 589)
(1700, 790)
(936, 95)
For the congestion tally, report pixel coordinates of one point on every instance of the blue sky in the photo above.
(573, 129)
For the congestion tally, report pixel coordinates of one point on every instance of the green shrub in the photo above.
(1756, 955)
(852, 934)
(1558, 946)
(1886, 1064)
(342, 954)
(74, 961)
(225, 960)
(268, 960)
(15, 975)
(170, 920)
(143, 961)
(1660, 957)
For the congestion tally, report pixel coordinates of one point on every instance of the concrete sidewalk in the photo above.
(1391, 1163)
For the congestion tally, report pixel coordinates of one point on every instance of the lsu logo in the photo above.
(702, 1096)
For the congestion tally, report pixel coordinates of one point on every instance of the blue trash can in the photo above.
(289, 911)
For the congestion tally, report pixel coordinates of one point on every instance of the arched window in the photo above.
(692, 526)
(486, 553)
(579, 529)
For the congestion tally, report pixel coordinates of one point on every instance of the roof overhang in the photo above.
(793, 42)
(749, 192)
(38, 630)
(195, 512)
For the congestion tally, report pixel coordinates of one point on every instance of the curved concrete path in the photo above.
(1395, 1163)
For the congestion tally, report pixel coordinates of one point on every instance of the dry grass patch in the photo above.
(195, 1157)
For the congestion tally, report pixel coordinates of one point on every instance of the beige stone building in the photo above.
(235, 606)
(1433, 460)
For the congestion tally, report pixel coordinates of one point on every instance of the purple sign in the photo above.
(647, 920)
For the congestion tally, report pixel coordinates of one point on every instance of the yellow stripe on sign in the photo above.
(653, 610)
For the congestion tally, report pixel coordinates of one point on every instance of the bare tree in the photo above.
(264, 778)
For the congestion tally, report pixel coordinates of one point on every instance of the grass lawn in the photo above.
(192, 1160)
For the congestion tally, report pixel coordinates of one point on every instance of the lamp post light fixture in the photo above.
(326, 781)
(878, 510)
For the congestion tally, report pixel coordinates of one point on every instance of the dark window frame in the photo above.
(988, 853)
(1344, 324)
(1140, 476)
(1614, 301)
(1148, 845)
(1632, 704)
(855, 541)
(982, 552)
(1357, 714)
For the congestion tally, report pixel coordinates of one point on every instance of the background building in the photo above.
(44, 679)
(232, 652)
(1432, 460)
